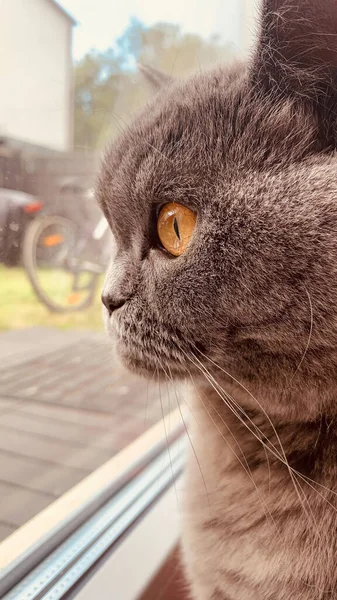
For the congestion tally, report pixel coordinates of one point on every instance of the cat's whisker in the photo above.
(284, 457)
(148, 382)
(103, 109)
(310, 483)
(269, 470)
(167, 441)
(296, 485)
(174, 62)
(305, 478)
(246, 468)
(158, 151)
(127, 127)
(294, 471)
(309, 338)
(190, 440)
(179, 394)
(238, 407)
(301, 500)
(228, 400)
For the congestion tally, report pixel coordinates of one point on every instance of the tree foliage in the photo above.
(108, 88)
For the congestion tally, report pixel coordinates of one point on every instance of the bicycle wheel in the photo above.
(57, 277)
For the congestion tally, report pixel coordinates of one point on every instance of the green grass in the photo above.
(19, 307)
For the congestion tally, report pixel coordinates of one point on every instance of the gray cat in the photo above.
(222, 197)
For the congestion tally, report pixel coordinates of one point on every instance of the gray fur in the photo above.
(251, 149)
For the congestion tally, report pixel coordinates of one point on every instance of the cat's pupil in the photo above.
(176, 227)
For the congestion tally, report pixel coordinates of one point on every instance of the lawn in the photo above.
(20, 308)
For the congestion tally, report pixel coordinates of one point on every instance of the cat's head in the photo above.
(239, 163)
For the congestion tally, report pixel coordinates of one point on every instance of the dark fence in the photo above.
(48, 176)
(11, 173)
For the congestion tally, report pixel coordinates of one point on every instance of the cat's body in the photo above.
(253, 531)
(248, 311)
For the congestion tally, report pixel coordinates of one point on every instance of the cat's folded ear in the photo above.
(157, 79)
(296, 54)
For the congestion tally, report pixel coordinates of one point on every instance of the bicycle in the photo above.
(63, 263)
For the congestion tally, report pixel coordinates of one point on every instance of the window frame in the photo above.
(35, 544)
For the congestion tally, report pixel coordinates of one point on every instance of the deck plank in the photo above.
(47, 449)
(6, 530)
(18, 504)
(66, 407)
(65, 414)
(58, 430)
(39, 476)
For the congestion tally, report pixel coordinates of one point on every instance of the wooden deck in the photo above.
(66, 407)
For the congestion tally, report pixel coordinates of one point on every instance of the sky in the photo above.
(101, 22)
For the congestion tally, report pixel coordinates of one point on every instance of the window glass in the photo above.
(70, 82)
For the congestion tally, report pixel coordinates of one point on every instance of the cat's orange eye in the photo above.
(175, 227)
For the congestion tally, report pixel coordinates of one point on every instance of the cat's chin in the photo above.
(146, 366)
(140, 361)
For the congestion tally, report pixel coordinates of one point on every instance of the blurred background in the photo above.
(69, 83)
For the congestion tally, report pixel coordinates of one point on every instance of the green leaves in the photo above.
(108, 88)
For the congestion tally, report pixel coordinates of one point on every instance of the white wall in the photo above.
(35, 73)
(236, 22)
(226, 21)
(250, 24)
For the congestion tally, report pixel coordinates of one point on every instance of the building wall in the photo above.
(226, 21)
(236, 22)
(36, 73)
(250, 25)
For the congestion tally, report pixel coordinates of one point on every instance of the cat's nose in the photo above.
(111, 303)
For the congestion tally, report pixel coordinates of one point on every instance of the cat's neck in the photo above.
(308, 446)
(264, 487)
